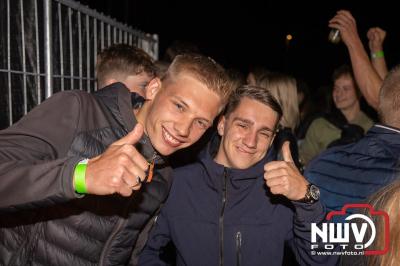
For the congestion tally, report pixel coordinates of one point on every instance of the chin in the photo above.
(242, 165)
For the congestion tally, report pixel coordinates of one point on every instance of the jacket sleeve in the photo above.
(158, 238)
(35, 170)
(300, 241)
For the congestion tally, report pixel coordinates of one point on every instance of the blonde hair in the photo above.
(204, 69)
(387, 199)
(283, 88)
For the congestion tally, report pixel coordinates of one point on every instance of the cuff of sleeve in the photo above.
(68, 178)
(306, 212)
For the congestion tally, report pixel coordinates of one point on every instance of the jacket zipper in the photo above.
(221, 221)
(110, 239)
(120, 223)
(238, 248)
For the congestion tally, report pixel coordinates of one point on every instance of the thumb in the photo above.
(286, 154)
(132, 137)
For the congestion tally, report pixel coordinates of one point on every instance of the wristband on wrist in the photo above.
(80, 177)
(378, 54)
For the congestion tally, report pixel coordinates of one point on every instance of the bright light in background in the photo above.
(289, 37)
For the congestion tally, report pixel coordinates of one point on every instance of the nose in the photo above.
(250, 140)
(182, 127)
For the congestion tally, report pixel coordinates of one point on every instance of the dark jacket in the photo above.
(42, 220)
(215, 215)
(351, 173)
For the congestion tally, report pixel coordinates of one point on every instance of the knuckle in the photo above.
(122, 158)
(116, 181)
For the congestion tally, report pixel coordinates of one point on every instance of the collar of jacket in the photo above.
(121, 102)
(386, 133)
(237, 177)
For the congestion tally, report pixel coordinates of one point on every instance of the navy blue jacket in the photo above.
(351, 173)
(216, 214)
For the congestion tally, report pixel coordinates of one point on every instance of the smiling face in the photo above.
(344, 93)
(177, 115)
(246, 133)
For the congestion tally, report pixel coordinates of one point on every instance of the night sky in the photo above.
(243, 33)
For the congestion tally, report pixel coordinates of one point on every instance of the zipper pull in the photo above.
(238, 248)
(150, 171)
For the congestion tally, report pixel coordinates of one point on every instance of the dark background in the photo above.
(243, 33)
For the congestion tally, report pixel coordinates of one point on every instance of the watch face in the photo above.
(314, 192)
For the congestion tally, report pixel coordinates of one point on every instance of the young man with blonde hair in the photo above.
(82, 174)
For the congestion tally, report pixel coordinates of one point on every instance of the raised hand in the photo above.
(346, 24)
(376, 37)
(283, 177)
(119, 168)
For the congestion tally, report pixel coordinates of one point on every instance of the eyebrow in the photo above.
(247, 121)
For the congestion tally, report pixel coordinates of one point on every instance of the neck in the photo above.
(351, 112)
(141, 115)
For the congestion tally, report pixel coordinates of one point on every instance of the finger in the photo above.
(274, 165)
(133, 176)
(132, 137)
(134, 157)
(275, 173)
(275, 181)
(125, 191)
(278, 190)
(286, 154)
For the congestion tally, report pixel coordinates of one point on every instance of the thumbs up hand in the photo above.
(119, 168)
(283, 177)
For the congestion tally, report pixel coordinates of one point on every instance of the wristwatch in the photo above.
(312, 194)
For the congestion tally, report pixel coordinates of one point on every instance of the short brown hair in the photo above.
(389, 100)
(255, 93)
(346, 70)
(122, 60)
(204, 69)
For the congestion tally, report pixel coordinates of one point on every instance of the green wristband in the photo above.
(378, 54)
(79, 177)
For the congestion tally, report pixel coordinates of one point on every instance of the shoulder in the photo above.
(189, 171)
(322, 123)
(70, 97)
(321, 127)
(364, 121)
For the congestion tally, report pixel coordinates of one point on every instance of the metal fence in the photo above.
(51, 45)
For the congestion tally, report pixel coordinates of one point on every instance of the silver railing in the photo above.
(51, 46)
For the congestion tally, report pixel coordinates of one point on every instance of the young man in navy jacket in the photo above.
(234, 208)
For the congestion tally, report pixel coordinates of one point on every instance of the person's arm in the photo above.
(376, 37)
(366, 77)
(283, 178)
(36, 170)
(32, 172)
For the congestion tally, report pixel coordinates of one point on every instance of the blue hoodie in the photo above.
(220, 216)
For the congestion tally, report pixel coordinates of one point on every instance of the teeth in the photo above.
(170, 138)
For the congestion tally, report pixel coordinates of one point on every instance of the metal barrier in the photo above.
(51, 46)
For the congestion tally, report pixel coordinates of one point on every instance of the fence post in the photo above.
(48, 64)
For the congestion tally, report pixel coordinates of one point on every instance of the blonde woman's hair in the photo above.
(387, 199)
(283, 88)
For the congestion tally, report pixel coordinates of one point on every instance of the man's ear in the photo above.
(153, 88)
(221, 125)
(109, 82)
